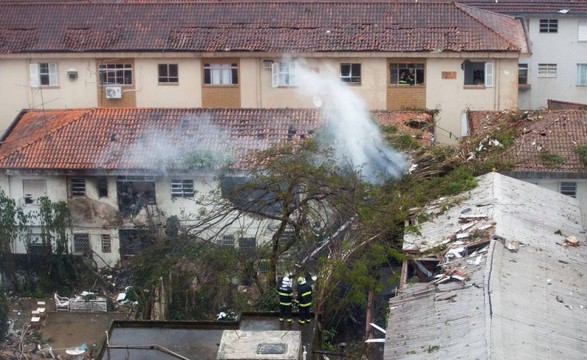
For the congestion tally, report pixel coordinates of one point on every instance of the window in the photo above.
(582, 33)
(81, 243)
(106, 243)
(220, 74)
(78, 187)
(245, 196)
(350, 73)
(568, 188)
(115, 74)
(44, 74)
(102, 185)
(227, 240)
(283, 74)
(247, 245)
(406, 74)
(182, 188)
(33, 189)
(547, 70)
(582, 74)
(478, 73)
(548, 25)
(522, 74)
(168, 73)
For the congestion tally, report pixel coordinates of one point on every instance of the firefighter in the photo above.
(304, 300)
(285, 293)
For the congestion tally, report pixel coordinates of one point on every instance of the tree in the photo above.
(4, 309)
(12, 222)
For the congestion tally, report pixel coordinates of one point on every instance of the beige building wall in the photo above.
(150, 93)
(447, 93)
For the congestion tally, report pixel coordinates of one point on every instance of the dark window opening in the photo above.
(78, 187)
(350, 73)
(247, 245)
(247, 197)
(522, 74)
(106, 243)
(102, 185)
(406, 74)
(474, 73)
(134, 193)
(548, 25)
(220, 74)
(168, 73)
(133, 241)
(81, 244)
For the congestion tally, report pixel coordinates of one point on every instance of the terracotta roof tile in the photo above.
(255, 26)
(108, 139)
(557, 132)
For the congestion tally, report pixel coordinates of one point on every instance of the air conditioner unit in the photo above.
(267, 64)
(72, 74)
(113, 92)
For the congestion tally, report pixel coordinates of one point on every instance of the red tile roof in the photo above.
(557, 132)
(255, 26)
(109, 139)
(527, 7)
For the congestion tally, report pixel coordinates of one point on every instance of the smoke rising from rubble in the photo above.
(356, 138)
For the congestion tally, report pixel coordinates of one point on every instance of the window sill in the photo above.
(474, 87)
(407, 85)
(48, 87)
(524, 86)
(168, 83)
(220, 85)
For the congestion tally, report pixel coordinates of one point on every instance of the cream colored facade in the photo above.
(446, 93)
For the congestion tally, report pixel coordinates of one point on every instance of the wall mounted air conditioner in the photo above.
(72, 74)
(113, 92)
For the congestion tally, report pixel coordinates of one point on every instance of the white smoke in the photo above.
(355, 138)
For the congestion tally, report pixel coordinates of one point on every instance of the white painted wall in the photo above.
(561, 48)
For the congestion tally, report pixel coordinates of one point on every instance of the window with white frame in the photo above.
(115, 74)
(78, 187)
(548, 25)
(44, 74)
(350, 73)
(582, 74)
(568, 188)
(81, 243)
(106, 243)
(522, 74)
(283, 73)
(220, 74)
(33, 189)
(168, 74)
(547, 70)
(182, 188)
(478, 73)
(582, 31)
(406, 74)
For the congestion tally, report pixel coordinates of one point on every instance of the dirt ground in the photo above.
(60, 330)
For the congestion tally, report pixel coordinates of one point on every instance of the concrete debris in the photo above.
(512, 245)
(445, 296)
(572, 241)
(559, 299)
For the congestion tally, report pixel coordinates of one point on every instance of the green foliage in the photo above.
(551, 159)
(404, 142)
(582, 151)
(4, 309)
(204, 159)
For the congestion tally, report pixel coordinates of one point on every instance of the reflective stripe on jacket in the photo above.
(305, 295)
(285, 295)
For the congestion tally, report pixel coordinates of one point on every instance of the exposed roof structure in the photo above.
(548, 143)
(250, 26)
(110, 139)
(521, 296)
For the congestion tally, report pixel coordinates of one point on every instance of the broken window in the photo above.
(102, 185)
(134, 192)
(247, 245)
(81, 243)
(478, 73)
(182, 188)
(106, 243)
(350, 73)
(33, 189)
(247, 197)
(77, 187)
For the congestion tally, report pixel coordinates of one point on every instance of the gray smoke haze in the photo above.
(355, 138)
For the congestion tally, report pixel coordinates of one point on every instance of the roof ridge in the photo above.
(34, 141)
(470, 10)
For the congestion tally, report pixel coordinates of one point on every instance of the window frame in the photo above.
(523, 68)
(118, 74)
(471, 70)
(568, 188)
(352, 75)
(221, 74)
(77, 187)
(106, 243)
(582, 74)
(182, 188)
(582, 31)
(102, 187)
(547, 70)
(283, 74)
(548, 26)
(168, 74)
(396, 69)
(86, 247)
(44, 74)
(34, 195)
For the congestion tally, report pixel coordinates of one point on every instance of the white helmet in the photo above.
(286, 281)
(301, 280)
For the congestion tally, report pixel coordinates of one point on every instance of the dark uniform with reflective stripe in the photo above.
(285, 293)
(304, 302)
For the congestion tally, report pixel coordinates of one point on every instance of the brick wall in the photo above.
(403, 97)
(221, 96)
